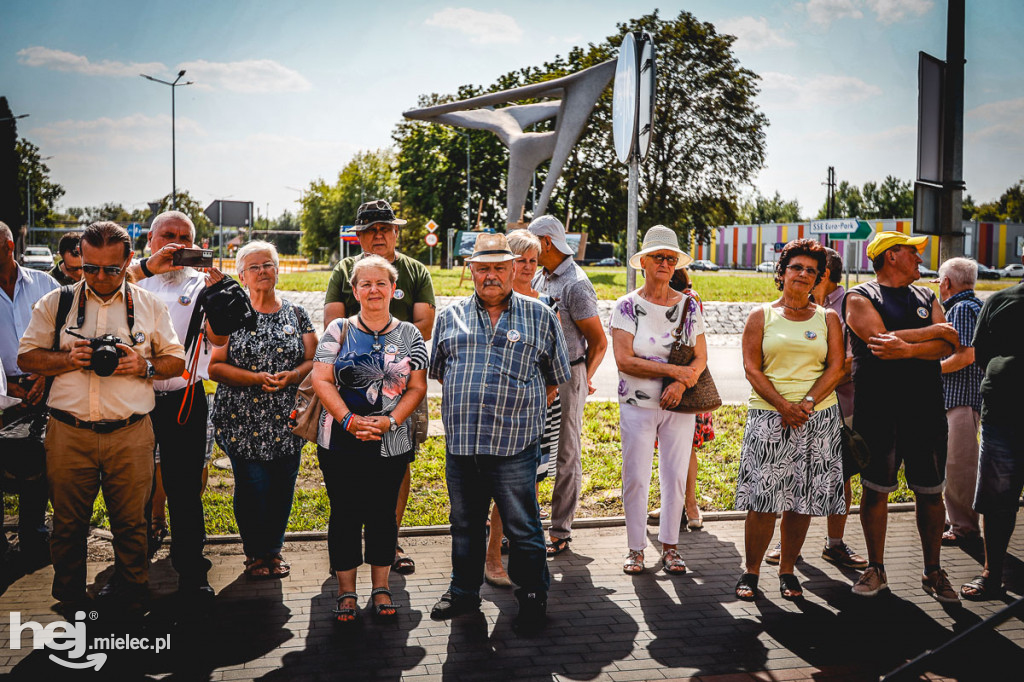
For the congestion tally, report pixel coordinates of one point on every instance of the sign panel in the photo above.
(927, 205)
(625, 98)
(931, 74)
(230, 213)
(431, 226)
(430, 239)
(134, 230)
(645, 107)
(834, 226)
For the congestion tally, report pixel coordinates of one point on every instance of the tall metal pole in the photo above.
(469, 202)
(951, 210)
(174, 169)
(632, 209)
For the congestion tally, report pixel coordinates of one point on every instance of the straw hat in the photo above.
(660, 238)
(491, 247)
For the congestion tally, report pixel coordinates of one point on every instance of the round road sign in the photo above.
(625, 97)
(645, 105)
(431, 239)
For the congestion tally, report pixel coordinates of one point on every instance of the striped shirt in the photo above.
(494, 376)
(963, 387)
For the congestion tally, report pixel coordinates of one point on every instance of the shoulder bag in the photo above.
(305, 415)
(702, 396)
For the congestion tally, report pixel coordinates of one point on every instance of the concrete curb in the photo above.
(433, 531)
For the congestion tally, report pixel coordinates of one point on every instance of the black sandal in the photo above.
(557, 546)
(380, 611)
(982, 588)
(747, 583)
(351, 612)
(403, 563)
(789, 583)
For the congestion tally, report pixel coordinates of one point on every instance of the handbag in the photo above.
(703, 396)
(305, 414)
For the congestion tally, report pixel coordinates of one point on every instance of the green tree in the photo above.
(194, 210)
(325, 208)
(894, 198)
(849, 202)
(759, 209)
(44, 192)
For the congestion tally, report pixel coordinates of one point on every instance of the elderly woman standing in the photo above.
(370, 374)
(258, 373)
(644, 326)
(791, 459)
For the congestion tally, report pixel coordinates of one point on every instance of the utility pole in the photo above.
(951, 241)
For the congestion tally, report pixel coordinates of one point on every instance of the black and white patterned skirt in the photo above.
(787, 469)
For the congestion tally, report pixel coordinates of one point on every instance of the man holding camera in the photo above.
(115, 339)
(182, 445)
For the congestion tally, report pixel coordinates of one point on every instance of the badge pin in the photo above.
(513, 335)
(139, 337)
(922, 312)
(391, 349)
(399, 294)
(810, 335)
(288, 329)
(184, 299)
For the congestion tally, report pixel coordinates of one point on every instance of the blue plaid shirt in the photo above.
(963, 387)
(494, 377)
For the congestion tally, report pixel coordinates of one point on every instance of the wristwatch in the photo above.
(394, 423)
(150, 370)
(811, 400)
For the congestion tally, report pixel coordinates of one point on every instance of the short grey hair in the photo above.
(174, 217)
(521, 241)
(252, 247)
(5, 233)
(962, 272)
(372, 262)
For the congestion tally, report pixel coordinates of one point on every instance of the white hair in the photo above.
(253, 247)
(173, 217)
(962, 272)
(5, 233)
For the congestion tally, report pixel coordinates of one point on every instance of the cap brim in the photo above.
(397, 222)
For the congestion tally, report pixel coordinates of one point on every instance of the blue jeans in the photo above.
(1000, 469)
(473, 481)
(263, 502)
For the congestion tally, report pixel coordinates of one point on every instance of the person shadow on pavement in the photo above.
(364, 649)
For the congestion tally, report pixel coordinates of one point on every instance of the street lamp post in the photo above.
(469, 205)
(173, 85)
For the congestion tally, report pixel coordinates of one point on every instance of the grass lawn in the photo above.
(610, 283)
(428, 503)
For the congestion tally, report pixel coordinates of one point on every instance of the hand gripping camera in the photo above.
(105, 353)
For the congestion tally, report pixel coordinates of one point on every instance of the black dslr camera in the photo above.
(105, 354)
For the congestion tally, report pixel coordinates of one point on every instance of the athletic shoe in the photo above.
(871, 582)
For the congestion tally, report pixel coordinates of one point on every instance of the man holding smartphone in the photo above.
(182, 447)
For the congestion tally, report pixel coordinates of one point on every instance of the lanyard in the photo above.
(129, 304)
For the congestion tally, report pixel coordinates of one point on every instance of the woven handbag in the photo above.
(305, 415)
(703, 396)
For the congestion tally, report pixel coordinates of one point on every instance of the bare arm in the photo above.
(933, 342)
(629, 363)
(50, 363)
(333, 311)
(222, 371)
(423, 318)
(597, 343)
(753, 361)
(958, 360)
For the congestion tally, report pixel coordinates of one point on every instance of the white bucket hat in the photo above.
(491, 247)
(660, 238)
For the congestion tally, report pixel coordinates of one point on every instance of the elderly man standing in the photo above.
(497, 353)
(898, 335)
(20, 288)
(576, 301)
(100, 434)
(377, 230)
(998, 352)
(182, 446)
(961, 385)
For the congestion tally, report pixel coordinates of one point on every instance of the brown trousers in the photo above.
(79, 463)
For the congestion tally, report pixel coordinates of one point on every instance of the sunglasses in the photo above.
(75, 268)
(797, 269)
(660, 258)
(111, 270)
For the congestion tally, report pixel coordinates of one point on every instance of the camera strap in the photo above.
(190, 373)
(129, 305)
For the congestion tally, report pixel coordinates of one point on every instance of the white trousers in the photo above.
(674, 432)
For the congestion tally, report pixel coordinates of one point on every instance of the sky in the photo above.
(286, 92)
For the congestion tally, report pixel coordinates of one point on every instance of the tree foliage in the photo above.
(759, 209)
(892, 198)
(1008, 208)
(44, 192)
(193, 209)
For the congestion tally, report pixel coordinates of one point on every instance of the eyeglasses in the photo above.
(797, 269)
(110, 270)
(257, 269)
(660, 258)
(379, 229)
(72, 268)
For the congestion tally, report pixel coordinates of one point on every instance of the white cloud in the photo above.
(251, 76)
(59, 60)
(824, 12)
(1000, 122)
(482, 28)
(754, 33)
(135, 133)
(788, 91)
(892, 11)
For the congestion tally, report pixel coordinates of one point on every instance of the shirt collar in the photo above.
(562, 268)
(117, 294)
(836, 295)
(480, 305)
(956, 298)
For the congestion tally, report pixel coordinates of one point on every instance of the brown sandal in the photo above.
(255, 569)
(278, 567)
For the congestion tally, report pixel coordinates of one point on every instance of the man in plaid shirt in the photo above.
(498, 355)
(961, 386)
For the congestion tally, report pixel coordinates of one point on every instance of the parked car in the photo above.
(37, 258)
(608, 263)
(985, 272)
(704, 265)
(766, 266)
(1013, 270)
(926, 272)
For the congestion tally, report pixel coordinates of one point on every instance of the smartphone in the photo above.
(195, 258)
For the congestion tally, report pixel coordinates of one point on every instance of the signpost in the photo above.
(431, 238)
(847, 229)
(134, 230)
(431, 226)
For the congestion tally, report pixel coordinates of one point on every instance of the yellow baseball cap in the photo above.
(887, 240)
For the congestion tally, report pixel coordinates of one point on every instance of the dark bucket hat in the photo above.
(373, 212)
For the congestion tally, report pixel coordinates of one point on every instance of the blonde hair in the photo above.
(373, 262)
(521, 241)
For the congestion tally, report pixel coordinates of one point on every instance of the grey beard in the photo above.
(177, 277)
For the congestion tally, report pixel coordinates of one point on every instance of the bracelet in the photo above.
(346, 421)
(143, 266)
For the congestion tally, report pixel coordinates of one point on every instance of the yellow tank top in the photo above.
(793, 356)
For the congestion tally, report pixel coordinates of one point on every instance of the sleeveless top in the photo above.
(793, 357)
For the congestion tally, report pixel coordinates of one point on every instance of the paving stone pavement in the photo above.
(604, 625)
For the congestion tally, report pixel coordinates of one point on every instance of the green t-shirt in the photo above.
(414, 286)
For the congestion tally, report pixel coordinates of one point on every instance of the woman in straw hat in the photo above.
(644, 326)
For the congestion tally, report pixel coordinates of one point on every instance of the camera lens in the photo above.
(104, 360)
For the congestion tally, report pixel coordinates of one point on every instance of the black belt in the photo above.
(108, 426)
(582, 358)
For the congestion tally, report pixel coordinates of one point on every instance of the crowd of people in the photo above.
(110, 353)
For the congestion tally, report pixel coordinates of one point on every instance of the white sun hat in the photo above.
(661, 238)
